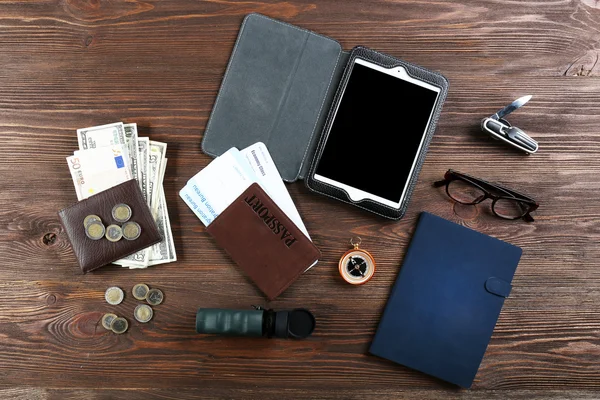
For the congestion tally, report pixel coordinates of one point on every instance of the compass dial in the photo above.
(357, 266)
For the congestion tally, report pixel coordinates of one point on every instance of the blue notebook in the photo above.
(446, 300)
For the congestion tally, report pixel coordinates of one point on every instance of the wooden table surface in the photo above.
(67, 64)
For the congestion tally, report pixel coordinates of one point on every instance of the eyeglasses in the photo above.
(469, 190)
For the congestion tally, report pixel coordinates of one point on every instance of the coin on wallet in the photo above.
(143, 313)
(107, 319)
(121, 212)
(91, 218)
(114, 233)
(155, 297)
(131, 230)
(119, 325)
(114, 295)
(95, 230)
(140, 291)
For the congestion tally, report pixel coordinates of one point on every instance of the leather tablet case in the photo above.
(444, 306)
(263, 241)
(93, 254)
(278, 89)
(412, 70)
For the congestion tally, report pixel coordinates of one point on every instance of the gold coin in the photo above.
(91, 218)
(155, 297)
(114, 295)
(131, 230)
(107, 319)
(114, 233)
(95, 230)
(119, 325)
(143, 313)
(140, 291)
(121, 212)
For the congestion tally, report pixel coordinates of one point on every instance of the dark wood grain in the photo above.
(67, 64)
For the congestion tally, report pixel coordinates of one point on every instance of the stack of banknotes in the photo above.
(112, 154)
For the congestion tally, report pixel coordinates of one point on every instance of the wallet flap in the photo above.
(276, 90)
(498, 286)
(93, 254)
(263, 241)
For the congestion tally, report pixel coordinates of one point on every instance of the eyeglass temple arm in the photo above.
(443, 182)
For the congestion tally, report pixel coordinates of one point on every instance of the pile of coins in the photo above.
(142, 313)
(130, 230)
(114, 296)
(116, 324)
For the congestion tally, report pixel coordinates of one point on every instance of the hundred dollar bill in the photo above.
(131, 139)
(103, 136)
(169, 255)
(156, 159)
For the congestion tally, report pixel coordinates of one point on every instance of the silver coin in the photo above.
(119, 325)
(143, 313)
(114, 295)
(140, 291)
(95, 230)
(114, 233)
(131, 230)
(121, 212)
(107, 319)
(155, 297)
(91, 218)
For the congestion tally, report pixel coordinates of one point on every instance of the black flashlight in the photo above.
(296, 324)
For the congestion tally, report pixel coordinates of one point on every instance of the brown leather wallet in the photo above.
(93, 254)
(263, 241)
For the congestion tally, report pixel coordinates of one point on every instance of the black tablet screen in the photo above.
(376, 133)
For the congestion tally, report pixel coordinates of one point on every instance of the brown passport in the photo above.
(263, 241)
(92, 254)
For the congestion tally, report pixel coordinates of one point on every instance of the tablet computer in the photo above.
(377, 132)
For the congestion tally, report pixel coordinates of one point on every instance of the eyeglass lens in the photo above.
(465, 192)
(509, 208)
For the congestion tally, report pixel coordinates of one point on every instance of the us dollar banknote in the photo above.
(131, 139)
(155, 172)
(143, 160)
(164, 252)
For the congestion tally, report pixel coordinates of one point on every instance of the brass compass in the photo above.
(357, 266)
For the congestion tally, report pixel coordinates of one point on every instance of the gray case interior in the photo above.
(277, 90)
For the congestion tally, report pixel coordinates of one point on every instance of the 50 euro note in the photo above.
(96, 170)
(104, 136)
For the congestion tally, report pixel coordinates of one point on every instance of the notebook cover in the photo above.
(446, 300)
(277, 89)
(263, 241)
(93, 254)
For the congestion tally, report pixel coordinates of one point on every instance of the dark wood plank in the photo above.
(75, 63)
